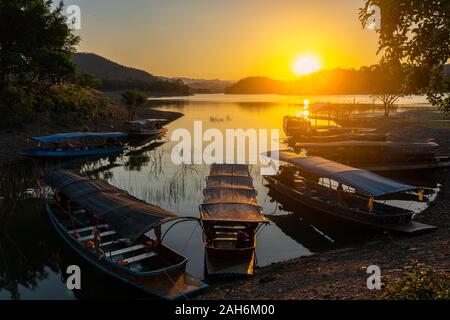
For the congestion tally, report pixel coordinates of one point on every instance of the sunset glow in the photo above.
(306, 64)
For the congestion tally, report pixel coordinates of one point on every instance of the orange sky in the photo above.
(226, 39)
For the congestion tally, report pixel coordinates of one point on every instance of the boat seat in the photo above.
(230, 227)
(226, 233)
(141, 257)
(124, 250)
(88, 228)
(224, 239)
(104, 234)
(104, 244)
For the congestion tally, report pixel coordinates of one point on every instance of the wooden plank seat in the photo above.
(104, 234)
(124, 250)
(104, 244)
(140, 257)
(230, 227)
(88, 228)
(226, 233)
(225, 239)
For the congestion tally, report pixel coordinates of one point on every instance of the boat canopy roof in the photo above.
(73, 135)
(230, 196)
(229, 170)
(230, 182)
(128, 216)
(235, 195)
(143, 122)
(430, 145)
(365, 182)
(232, 212)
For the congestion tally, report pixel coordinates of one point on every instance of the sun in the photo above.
(306, 64)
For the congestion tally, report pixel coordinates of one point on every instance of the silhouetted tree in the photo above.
(417, 34)
(133, 100)
(392, 87)
(36, 44)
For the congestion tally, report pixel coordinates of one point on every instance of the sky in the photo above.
(227, 39)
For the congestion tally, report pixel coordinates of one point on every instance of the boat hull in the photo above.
(147, 133)
(49, 154)
(172, 283)
(401, 222)
(233, 262)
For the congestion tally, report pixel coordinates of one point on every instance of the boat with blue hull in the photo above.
(77, 145)
(109, 228)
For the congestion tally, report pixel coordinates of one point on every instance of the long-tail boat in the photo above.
(345, 192)
(230, 217)
(145, 128)
(108, 227)
(77, 145)
(300, 129)
(380, 156)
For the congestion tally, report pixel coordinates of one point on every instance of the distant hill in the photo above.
(256, 85)
(207, 86)
(367, 80)
(115, 77)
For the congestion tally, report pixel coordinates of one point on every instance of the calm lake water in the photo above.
(33, 259)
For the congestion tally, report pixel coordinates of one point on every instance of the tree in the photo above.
(36, 44)
(416, 33)
(133, 100)
(391, 87)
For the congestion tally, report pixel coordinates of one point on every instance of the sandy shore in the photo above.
(341, 274)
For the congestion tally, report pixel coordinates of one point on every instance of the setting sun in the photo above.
(304, 65)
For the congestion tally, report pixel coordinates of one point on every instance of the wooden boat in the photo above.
(349, 136)
(230, 217)
(379, 156)
(62, 145)
(146, 128)
(302, 129)
(108, 228)
(344, 192)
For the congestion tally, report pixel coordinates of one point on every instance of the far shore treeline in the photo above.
(366, 80)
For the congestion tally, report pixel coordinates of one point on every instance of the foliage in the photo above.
(392, 88)
(416, 33)
(417, 282)
(16, 106)
(36, 67)
(36, 45)
(133, 100)
(84, 79)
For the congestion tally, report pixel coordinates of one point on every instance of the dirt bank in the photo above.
(341, 274)
(13, 141)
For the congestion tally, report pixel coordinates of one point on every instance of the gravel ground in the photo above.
(341, 274)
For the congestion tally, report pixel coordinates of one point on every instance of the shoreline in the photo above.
(14, 141)
(336, 274)
(341, 274)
